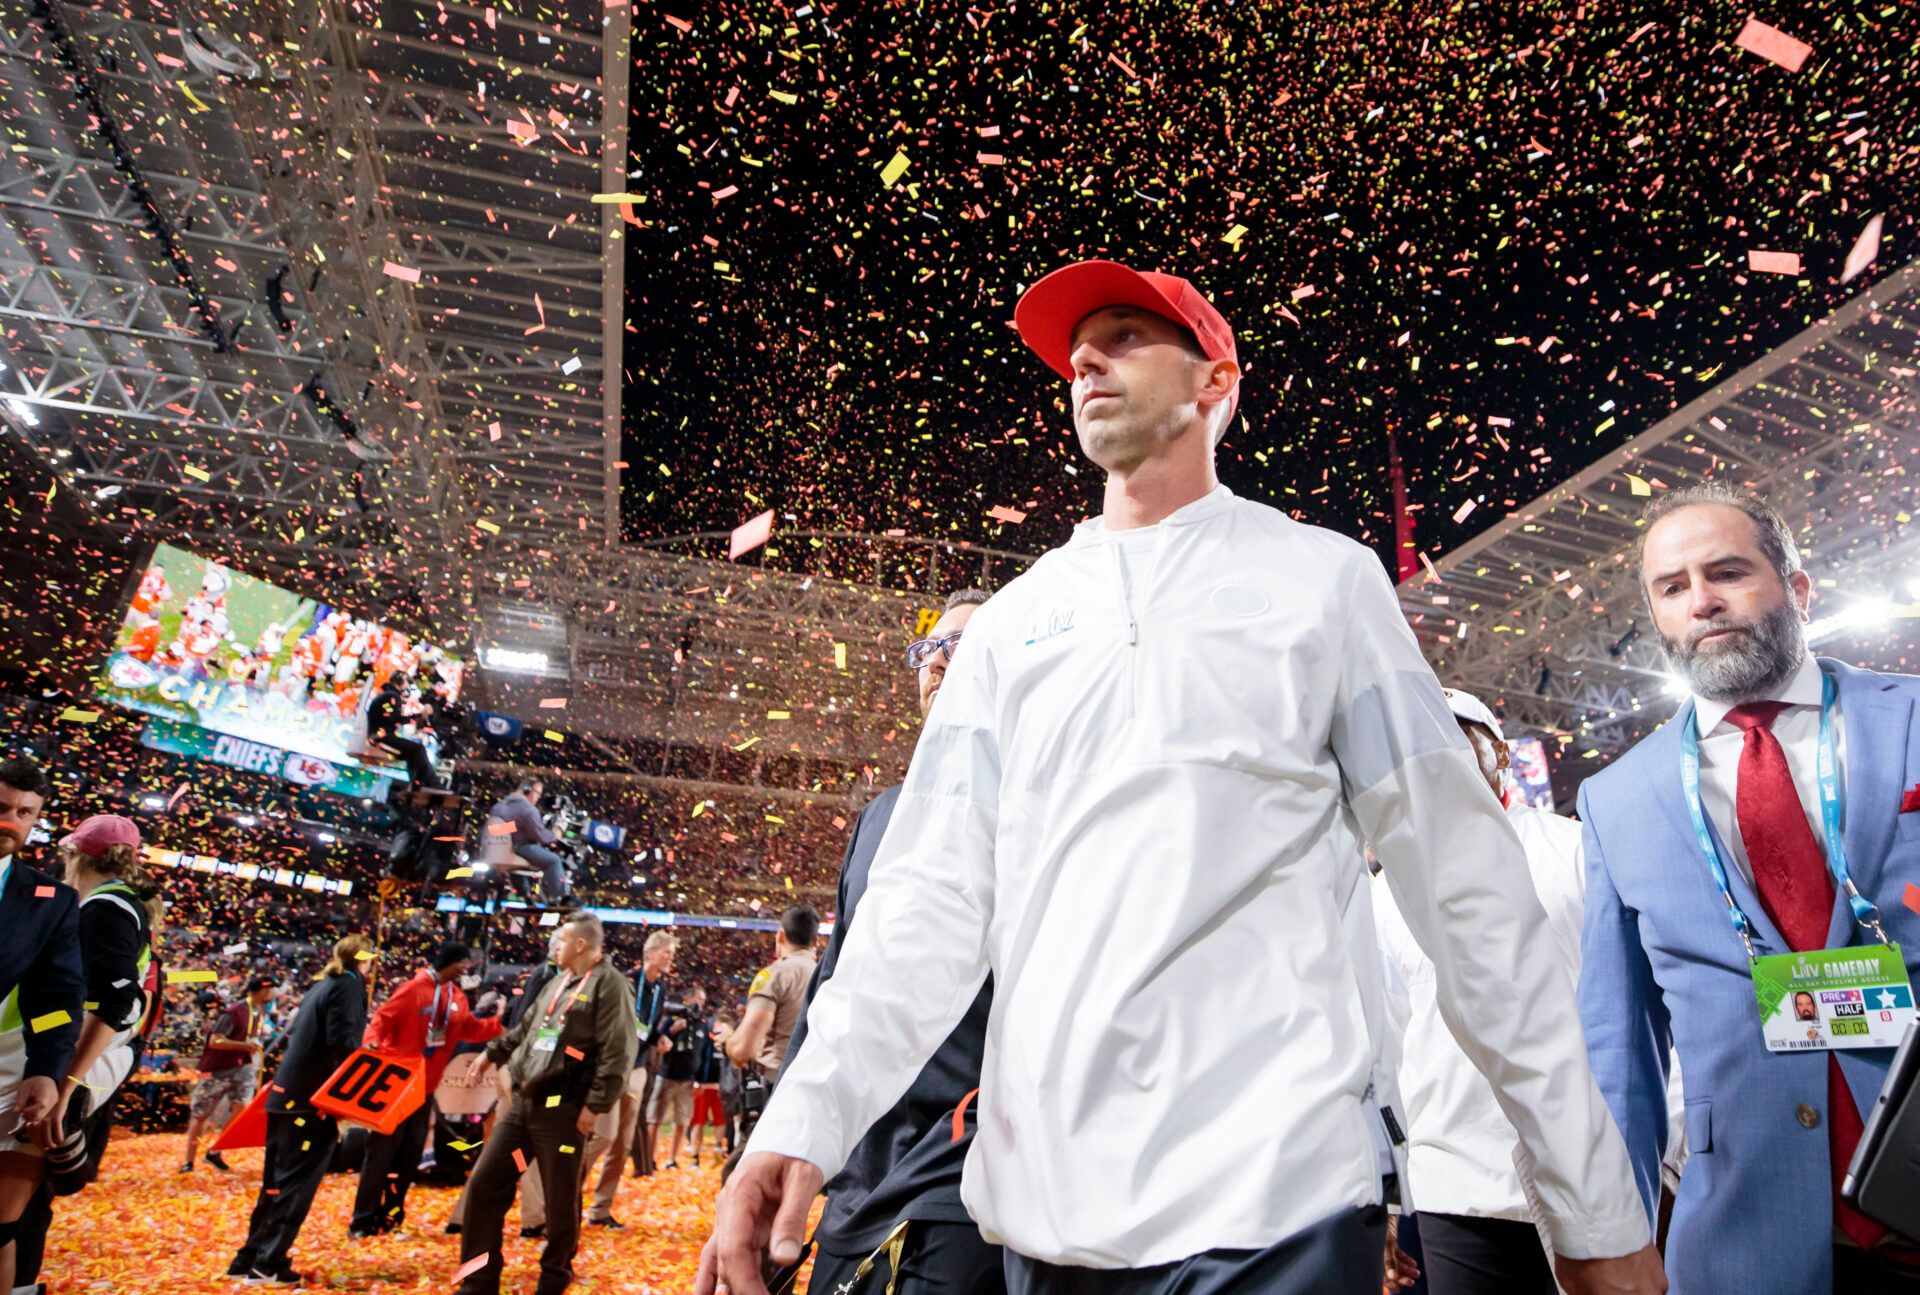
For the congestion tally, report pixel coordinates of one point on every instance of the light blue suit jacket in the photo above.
(1663, 964)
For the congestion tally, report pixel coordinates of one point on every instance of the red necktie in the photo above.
(1796, 888)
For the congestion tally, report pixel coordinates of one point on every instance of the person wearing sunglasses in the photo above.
(904, 1176)
(1153, 765)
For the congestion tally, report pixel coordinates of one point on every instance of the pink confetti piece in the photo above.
(1865, 249)
(681, 23)
(1773, 262)
(553, 703)
(1772, 44)
(1001, 513)
(43, 892)
(404, 273)
(478, 1262)
(1460, 513)
(750, 535)
(1912, 897)
(727, 192)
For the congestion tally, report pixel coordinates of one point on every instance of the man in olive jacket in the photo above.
(568, 1056)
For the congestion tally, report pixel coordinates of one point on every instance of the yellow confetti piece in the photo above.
(487, 526)
(553, 1101)
(784, 97)
(1638, 486)
(895, 168)
(199, 105)
(463, 1146)
(459, 872)
(78, 716)
(779, 714)
(552, 736)
(839, 656)
(752, 741)
(191, 977)
(198, 474)
(51, 1021)
(1234, 235)
(619, 197)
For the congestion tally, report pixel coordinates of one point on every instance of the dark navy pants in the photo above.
(1341, 1255)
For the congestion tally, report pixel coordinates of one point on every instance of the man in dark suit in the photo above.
(42, 991)
(1718, 840)
(300, 1140)
(905, 1173)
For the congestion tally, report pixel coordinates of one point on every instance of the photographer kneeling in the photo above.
(530, 838)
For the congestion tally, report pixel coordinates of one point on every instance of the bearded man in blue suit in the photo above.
(1718, 839)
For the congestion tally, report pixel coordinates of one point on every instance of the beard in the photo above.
(1746, 665)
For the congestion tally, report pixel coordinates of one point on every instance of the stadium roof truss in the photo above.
(318, 283)
(1541, 613)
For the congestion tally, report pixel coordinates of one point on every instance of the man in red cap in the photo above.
(1135, 803)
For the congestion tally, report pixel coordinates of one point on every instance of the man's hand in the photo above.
(34, 1099)
(762, 1209)
(664, 1046)
(584, 1125)
(1401, 1271)
(1639, 1273)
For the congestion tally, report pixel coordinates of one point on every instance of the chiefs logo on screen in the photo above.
(310, 771)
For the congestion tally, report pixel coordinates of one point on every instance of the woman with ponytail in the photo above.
(119, 910)
(326, 1031)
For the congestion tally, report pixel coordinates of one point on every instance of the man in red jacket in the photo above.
(424, 1017)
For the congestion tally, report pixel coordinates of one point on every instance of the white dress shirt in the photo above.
(1139, 800)
(1798, 730)
(1460, 1143)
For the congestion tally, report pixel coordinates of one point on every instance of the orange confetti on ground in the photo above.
(148, 1209)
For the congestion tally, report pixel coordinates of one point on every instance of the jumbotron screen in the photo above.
(203, 644)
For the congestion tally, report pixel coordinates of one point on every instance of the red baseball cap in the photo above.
(95, 834)
(1051, 309)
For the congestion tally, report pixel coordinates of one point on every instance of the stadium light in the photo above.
(515, 659)
(1869, 613)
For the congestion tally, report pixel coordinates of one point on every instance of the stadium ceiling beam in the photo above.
(436, 288)
(454, 54)
(93, 189)
(615, 77)
(504, 180)
(78, 298)
(459, 250)
(102, 388)
(489, 16)
(453, 202)
(399, 101)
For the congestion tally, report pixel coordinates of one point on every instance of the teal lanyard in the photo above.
(1827, 766)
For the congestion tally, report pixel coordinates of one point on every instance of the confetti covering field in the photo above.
(176, 1233)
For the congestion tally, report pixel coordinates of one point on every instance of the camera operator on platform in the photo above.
(531, 838)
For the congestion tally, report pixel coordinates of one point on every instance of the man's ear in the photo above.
(1801, 589)
(1503, 751)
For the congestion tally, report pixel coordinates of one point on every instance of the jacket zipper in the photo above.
(1133, 626)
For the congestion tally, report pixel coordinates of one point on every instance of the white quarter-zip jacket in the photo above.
(1460, 1143)
(1138, 799)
